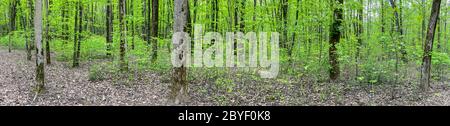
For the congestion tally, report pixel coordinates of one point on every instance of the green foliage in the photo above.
(225, 84)
(96, 73)
(17, 40)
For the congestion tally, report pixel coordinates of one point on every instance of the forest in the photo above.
(131, 52)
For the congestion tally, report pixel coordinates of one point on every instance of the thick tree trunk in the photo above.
(428, 49)
(179, 88)
(39, 51)
(335, 37)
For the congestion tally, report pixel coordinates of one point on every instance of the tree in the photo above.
(109, 27)
(12, 21)
(123, 64)
(154, 32)
(359, 33)
(30, 46)
(398, 28)
(179, 88)
(284, 14)
(39, 51)
(428, 49)
(78, 36)
(47, 35)
(335, 37)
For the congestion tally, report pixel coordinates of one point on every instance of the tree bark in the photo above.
(123, 63)
(335, 37)
(359, 36)
(12, 21)
(154, 32)
(39, 51)
(47, 30)
(109, 28)
(179, 88)
(78, 34)
(428, 49)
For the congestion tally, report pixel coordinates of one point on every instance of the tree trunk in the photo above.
(109, 28)
(12, 21)
(335, 37)
(65, 21)
(78, 34)
(47, 35)
(294, 34)
(398, 28)
(133, 28)
(123, 63)
(39, 51)
(154, 32)
(284, 9)
(179, 88)
(428, 49)
(359, 36)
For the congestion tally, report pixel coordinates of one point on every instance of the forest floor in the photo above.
(71, 86)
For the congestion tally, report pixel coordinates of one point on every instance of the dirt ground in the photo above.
(68, 86)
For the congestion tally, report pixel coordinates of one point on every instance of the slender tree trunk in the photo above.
(123, 63)
(75, 36)
(179, 88)
(31, 6)
(335, 37)
(359, 36)
(294, 34)
(12, 21)
(133, 28)
(39, 51)
(154, 32)
(284, 8)
(65, 21)
(148, 23)
(423, 23)
(428, 49)
(109, 28)
(241, 16)
(47, 29)
(78, 34)
(398, 28)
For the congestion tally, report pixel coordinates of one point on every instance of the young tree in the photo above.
(399, 29)
(335, 37)
(179, 88)
(39, 51)
(154, 31)
(428, 49)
